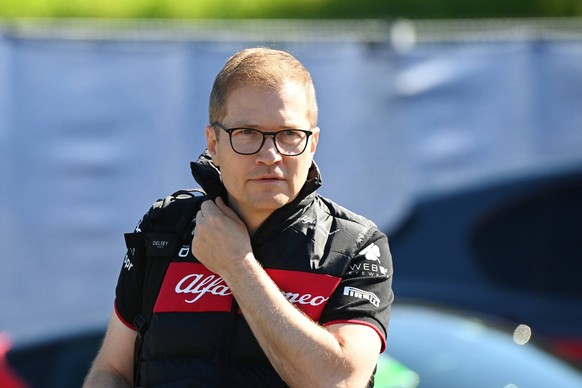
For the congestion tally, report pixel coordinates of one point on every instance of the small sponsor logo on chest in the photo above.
(160, 243)
(367, 269)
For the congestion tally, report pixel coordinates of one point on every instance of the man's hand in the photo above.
(221, 239)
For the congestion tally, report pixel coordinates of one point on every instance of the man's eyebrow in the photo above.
(242, 124)
(256, 126)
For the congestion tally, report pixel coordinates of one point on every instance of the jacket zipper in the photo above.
(227, 345)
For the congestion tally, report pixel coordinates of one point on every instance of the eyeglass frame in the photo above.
(307, 132)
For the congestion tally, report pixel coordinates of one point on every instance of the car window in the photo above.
(534, 243)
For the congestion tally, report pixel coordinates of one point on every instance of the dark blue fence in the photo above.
(97, 123)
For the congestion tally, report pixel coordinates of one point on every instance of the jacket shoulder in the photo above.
(351, 229)
(345, 215)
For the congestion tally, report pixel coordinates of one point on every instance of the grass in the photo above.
(289, 9)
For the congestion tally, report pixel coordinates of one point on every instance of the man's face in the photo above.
(260, 183)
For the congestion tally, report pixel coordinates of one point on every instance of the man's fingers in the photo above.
(225, 208)
(207, 205)
(208, 209)
(219, 214)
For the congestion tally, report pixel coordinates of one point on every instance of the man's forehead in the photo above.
(251, 106)
(260, 88)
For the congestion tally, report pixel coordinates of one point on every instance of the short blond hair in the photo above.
(263, 68)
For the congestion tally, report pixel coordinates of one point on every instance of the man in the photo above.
(281, 286)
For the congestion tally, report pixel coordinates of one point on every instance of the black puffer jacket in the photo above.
(331, 263)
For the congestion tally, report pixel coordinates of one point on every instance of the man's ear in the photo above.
(212, 143)
(314, 139)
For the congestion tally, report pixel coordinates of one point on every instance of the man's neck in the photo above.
(252, 219)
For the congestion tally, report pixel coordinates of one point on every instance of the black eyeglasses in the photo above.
(249, 141)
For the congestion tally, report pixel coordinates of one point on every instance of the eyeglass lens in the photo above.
(249, 141)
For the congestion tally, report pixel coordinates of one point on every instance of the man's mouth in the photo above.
(268, 179)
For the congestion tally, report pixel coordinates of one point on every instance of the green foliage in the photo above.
(290, 9)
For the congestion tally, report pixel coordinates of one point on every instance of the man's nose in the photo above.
(269, 152)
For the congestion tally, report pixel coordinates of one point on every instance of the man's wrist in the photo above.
(241, 270)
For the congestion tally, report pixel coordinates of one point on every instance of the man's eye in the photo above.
(291, 135)
(246, 132)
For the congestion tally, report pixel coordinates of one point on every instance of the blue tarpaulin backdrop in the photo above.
(94, 130)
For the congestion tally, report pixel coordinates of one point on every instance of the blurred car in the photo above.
(428, 346)
(51, 362)
(510, 249)
(433, 347)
